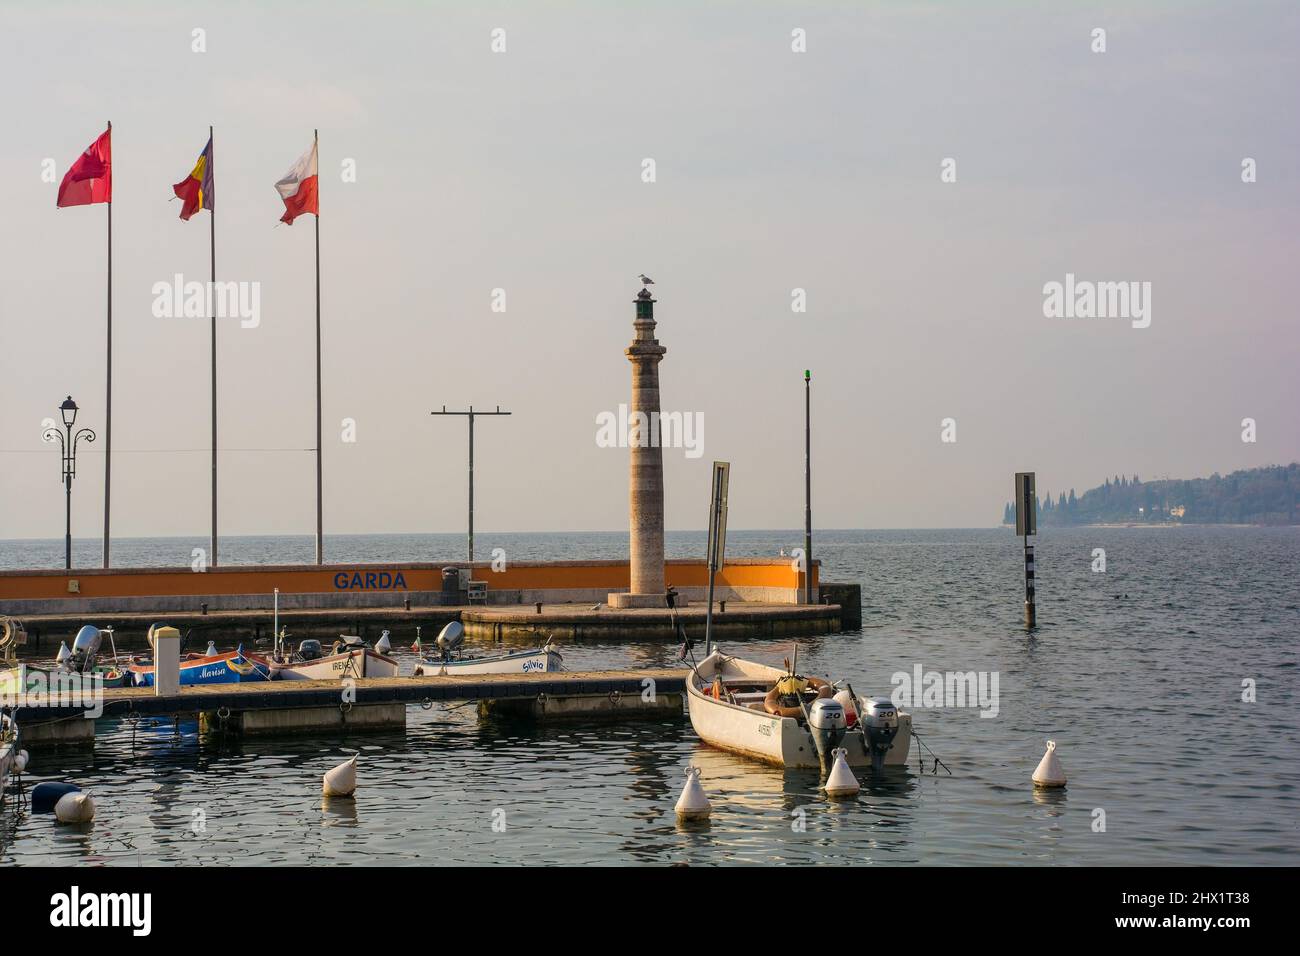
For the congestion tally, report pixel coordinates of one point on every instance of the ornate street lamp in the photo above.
(69, 446)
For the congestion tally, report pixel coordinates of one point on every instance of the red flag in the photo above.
(90, 180)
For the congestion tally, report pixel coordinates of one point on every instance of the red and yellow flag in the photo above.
(195, 190)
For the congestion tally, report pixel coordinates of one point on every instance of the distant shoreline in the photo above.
(1166, 524)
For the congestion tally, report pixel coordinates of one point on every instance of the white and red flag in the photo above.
(298, 188)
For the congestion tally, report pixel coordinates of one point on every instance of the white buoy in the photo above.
(212, 649)
(64, 653)
(75, 807)
(342, 780)
(840, 782)
(1049, 772)
(383, 645)
(21, 761)
(693, 804)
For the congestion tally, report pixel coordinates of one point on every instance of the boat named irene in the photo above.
(349, 657)
(781, 718)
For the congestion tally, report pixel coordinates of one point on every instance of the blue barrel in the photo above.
(46, 795)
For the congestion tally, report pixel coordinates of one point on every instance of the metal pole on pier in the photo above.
(108, 386)
(320, 480)
(470, 414)
(807, 486)
(717, 540)
(210, 174)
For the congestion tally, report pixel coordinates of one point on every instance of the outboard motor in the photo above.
(879, 727)
(348, 642)
(450, 638)
(828, 724)
(310, 649)
(84, 648)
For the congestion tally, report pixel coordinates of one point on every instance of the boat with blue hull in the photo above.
(229, 667)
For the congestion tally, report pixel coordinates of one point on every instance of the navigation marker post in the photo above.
(1026, 525)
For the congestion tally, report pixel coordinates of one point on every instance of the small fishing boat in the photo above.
(349, 657)
(228, 667)
(782, 718)
(82, 660)
(448, 660)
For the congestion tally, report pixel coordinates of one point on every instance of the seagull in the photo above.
(646, 280)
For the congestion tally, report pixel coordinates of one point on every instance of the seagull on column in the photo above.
(646, 280)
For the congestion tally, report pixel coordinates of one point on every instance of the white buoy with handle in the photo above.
(212, 649)
(342, 780)
(75, 807)
(693, 804)
(840, 782)
(64, 653)
(384, 645)
(21, 761)
(1049, 772)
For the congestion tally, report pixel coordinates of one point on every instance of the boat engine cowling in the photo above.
(451, 636)
(879, 726)
(827, 723)
(310, 649)
(85, 647)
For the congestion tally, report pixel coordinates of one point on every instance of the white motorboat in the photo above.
(349, 657)
(542, 660)
(447, 659)
(781, 718)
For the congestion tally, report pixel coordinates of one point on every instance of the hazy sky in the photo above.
(775, 170)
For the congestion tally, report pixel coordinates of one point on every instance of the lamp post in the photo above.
(68, 445)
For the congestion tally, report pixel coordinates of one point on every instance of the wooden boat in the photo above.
(729, 699)
(543, 660)
(230, 667)
(349, 657)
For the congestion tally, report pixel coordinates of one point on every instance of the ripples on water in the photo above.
(1137, 673)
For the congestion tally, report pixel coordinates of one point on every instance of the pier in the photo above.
(570, 623)
(272, 707)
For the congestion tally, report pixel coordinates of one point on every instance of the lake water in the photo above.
(1136, 672)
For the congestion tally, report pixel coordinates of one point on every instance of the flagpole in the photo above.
(320, 535)
(108, 403)
(212, 245)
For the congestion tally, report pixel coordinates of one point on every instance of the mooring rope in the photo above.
(937, 762)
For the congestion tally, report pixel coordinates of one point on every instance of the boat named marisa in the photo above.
(212, 667)
(791, 721)
(448, 658)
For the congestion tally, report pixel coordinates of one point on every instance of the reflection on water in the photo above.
(1135, 673)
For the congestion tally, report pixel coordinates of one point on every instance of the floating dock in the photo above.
(274, 707)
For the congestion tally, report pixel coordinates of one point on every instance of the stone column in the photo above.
(646, 474)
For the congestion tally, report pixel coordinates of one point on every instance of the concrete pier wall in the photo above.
(161, 590)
